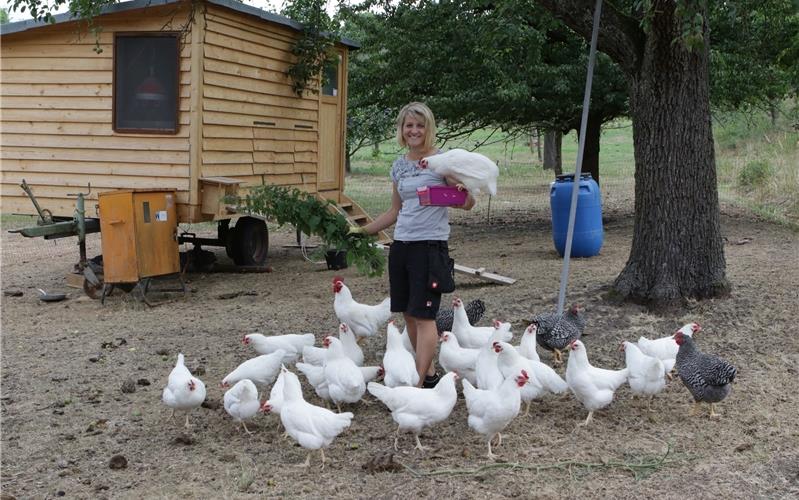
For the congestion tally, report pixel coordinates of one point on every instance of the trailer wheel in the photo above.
(250, 242)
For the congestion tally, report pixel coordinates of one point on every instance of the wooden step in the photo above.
(357, 216)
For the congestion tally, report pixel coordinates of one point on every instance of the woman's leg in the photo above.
(425, 342)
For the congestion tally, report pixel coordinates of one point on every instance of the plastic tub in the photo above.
(441, 196)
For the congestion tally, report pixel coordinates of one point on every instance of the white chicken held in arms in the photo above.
(490, 411)
(364, 320)
(399, 365)
(414, 408)
(593, 387)
(241, 402)
(345, 382)
(183, 391)
(292, 344)
(665, 348)
(647, 376)
(473, 170)
(313, 427)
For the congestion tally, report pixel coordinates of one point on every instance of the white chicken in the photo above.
(399, 365)
(474, 337)
(261, 370)
(345, 382)
(486, 368)
(454, 358)
(593, 387)
(316, 377)
(313, 427)
(490, 411)
(241, 402)
(527, 344)
(473, 170)
(406, 342)
(665, 348)
(543, 379)
(291, 343)
(414, 408)
(647, 376)
(316, 355)
(364, 320)
(183, 391)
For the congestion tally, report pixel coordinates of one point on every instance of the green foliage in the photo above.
(3, 16)
(313, 48)
(754, 173)
(314, 217)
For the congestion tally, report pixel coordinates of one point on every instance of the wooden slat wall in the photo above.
(254, 127)
(57, 133)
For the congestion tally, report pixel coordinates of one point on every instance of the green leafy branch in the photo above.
(315, 217)
(313, 49)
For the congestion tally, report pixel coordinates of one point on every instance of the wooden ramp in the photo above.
(481, 273)
(357, 216)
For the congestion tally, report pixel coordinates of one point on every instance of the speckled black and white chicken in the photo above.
(474, 311)
(555, 333)
(707, 377)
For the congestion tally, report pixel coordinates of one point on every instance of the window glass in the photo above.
(330, 78)
(146, 83)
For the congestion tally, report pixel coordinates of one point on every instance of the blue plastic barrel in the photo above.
(588, 232)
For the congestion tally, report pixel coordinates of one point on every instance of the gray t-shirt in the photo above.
(417, 222)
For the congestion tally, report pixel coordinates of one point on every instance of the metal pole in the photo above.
(564, 275)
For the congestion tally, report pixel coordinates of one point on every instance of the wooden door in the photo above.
(156, 227)
(331, 128)
(118, 235)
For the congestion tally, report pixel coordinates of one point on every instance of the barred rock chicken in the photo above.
(261, 370)
(707, 377)
(474, 311)
(543, 379)
(556, 333)
(398, 363)
(291, 343)
(316, 355)
(473, 170)
(454, 358)
(664, 348)
(490, 411)
(313, 427)
(364, 320)
(647, 376)
(594, 387)
(241, 402)
(183, 391)
(414, 408)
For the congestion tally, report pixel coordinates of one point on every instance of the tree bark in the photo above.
(677, 250)
(553, 140)
(593, 133)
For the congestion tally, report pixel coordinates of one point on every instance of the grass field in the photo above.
(757, 164)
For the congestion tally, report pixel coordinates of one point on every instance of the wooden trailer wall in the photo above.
(56, 123)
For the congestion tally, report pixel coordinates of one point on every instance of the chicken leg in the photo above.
(322, 451)
(419, 444)
(558, 357)
(245, 428)
(396, 439)
(588, 420)
(188, 425)
(713, 413)
(307, 462)
(490, 454)
(527, 409)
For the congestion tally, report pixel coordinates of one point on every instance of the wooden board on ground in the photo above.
(481, 273)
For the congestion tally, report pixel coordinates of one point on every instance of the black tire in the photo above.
(250, 242)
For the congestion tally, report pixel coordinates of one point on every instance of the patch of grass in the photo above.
(754, 174)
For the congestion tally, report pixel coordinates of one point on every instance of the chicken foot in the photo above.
(713, 413)
(419, 444)
(588, 420)
(558, 357)
(245, 428)
(491, 455)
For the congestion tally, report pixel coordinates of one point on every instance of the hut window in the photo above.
(330, 78)
(146, 77)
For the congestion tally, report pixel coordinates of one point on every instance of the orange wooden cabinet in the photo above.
(139, 235)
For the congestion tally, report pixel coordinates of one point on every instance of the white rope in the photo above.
(564, 275)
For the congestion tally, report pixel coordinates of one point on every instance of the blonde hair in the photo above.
(421, 112)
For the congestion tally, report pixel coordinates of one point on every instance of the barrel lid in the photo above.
(570, 177)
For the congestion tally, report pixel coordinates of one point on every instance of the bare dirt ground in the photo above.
(65, 415)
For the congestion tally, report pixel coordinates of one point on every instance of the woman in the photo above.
(419, 256)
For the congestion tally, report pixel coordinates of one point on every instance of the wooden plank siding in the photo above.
(56, 117)
(255, 128)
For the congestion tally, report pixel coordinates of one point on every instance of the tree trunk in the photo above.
(552, 151)
(677, 249)
(593, 132)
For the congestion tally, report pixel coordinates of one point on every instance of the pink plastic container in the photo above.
(441, 196)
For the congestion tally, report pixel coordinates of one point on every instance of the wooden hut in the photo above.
(176, 95)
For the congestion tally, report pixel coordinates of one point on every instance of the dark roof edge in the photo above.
(19, 26)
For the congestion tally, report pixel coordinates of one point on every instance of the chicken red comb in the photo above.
(337, 279)
(497, 347)
(524, 374)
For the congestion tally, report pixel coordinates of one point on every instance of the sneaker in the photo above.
(430, 381)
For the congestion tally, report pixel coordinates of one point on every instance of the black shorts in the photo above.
(419, 272)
